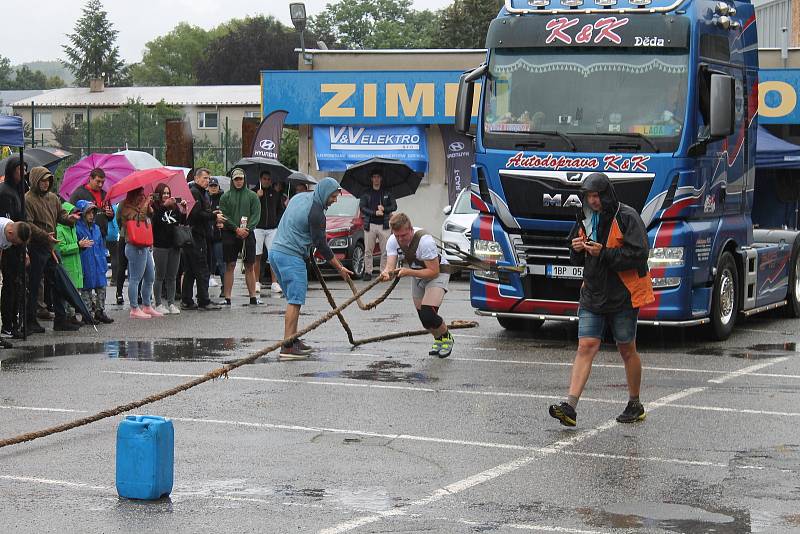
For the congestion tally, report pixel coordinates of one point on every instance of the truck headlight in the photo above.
(487, 250)
(665, 257)
(453, 227)
(490, 251)
(339, 242)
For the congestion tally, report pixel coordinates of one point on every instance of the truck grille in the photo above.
(543, 248)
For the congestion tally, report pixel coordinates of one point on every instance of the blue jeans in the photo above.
(140, 268)
(622, 324)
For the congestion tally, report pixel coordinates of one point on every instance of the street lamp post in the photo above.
(297, 11)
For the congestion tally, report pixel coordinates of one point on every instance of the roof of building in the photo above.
(9, 97)
(200, 95)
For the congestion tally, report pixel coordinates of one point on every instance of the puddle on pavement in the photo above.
(761, 351)
(362, 499)
(381, 371)
(161, 350)
(667, 516)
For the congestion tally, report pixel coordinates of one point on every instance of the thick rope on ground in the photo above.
(216, 373)
(394, 335)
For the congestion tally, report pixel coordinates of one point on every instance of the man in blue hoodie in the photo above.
(301, 228)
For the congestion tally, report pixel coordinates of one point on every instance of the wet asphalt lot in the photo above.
(384, 438)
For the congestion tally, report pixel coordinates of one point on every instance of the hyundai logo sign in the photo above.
(267, 144)
(456, 146)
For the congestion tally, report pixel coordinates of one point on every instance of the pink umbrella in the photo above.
(115, 166)
(149, 179)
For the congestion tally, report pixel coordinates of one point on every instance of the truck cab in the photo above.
(661, 96)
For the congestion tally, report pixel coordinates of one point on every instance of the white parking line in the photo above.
(747, 370)
(616, 366)
(51, 482)
(508, 467)
(500, 394)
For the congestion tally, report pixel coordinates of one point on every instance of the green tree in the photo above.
(289, 147)
(134, 125)
(28, 79)
(6, 81)
(362, 24)
(242, 48)
(169, 59)
(92, 52)
(464, 23)
(55, 82)
(66, 134)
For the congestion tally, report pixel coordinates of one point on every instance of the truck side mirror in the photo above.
(464, 98)
(722, 110)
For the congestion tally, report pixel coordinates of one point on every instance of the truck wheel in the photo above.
(725, 300)
(793, 308)
(358, 261)
(520, 325)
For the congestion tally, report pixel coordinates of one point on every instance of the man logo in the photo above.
(574, 176)
(456, 146)
(267, 144)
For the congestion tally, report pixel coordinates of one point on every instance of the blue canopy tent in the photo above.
(777, 191)
(12, 134)
(775, 153)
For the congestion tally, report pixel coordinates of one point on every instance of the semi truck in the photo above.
(661, 96)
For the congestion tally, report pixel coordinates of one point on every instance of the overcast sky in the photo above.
(43, 24)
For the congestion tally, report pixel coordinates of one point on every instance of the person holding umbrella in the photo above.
(141, 267)
(43, 210)
(270, 196)
(301, 228)
(377, 206)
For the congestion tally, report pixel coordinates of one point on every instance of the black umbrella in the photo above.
(398, 178)
(253, 166)
(301, 178)
(40, 157)
(64, 284)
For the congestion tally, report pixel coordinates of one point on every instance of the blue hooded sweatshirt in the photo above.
(303, 223)
(93, 259)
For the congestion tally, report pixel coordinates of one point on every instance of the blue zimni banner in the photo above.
(338, 147)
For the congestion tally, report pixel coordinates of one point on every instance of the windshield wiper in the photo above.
(635, 135)
(553, 133)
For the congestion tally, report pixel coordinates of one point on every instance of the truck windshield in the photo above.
(570, 96)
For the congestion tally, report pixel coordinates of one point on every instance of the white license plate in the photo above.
(564, 271)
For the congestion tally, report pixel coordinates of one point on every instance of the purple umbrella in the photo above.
(116, 167)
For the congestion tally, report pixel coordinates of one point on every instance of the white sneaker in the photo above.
(212, 282)
(258, 287)
(162, 309)
(276, 288)
(174, 310)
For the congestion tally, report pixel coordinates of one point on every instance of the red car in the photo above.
(345, 232)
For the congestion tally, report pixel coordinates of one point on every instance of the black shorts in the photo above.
(232, 246)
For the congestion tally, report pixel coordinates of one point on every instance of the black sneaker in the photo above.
(292, 353)
(564, 413)
(633, 413)
(34, 327)
(225, 302)
(63, 325)
(367, 277)
(255, 301)
(120, 300)
(188, 306)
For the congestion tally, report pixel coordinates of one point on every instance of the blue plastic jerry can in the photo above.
(145, 457)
